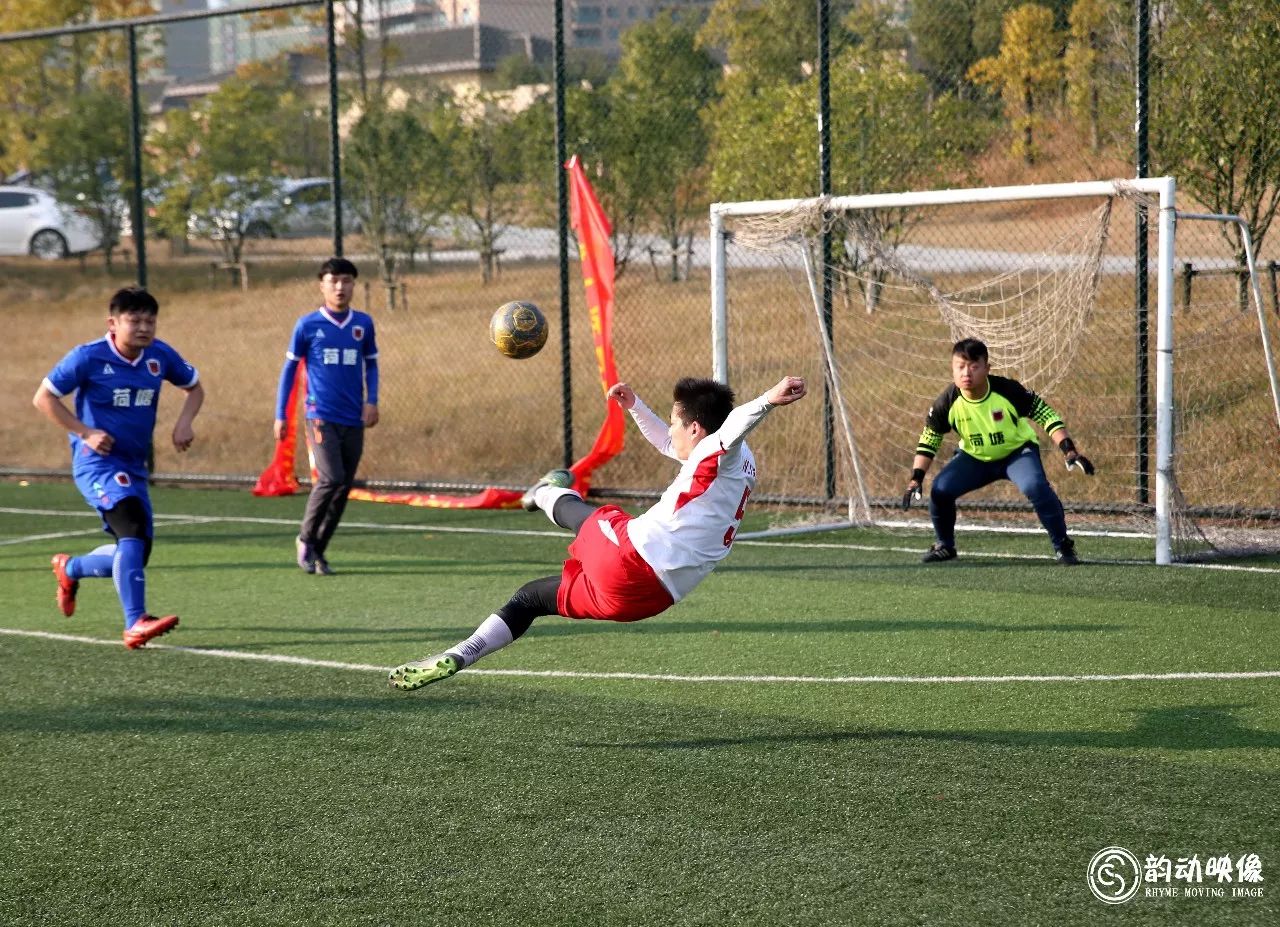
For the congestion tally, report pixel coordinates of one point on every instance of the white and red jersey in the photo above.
(691, 528)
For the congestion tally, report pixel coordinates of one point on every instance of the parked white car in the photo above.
(33, 222)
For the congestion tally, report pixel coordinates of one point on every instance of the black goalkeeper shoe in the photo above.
(938, 553)
(1066, 554)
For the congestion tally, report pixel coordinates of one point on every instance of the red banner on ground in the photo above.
(592, 226)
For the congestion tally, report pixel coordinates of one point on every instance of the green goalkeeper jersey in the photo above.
(990, 428)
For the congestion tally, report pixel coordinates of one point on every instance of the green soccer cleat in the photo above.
(419, 673)
(559, 478)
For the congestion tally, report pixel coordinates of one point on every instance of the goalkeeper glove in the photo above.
(1074, 458)
(913, 489)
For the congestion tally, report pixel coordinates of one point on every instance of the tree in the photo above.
(482, 141)
(86, 153)
(235, 154)
(888, 137)
(398, 181)
(989, 17)
(658, 143)
(38, 77)
(769, 42)
(1215, 99)
(1026, 73)
(1097, 69)
(943, 41)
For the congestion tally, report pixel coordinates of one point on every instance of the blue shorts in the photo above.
(105, 483)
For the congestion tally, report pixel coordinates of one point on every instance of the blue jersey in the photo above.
(339, 352)
(118, 396)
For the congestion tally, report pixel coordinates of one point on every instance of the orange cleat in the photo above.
(67, 587)
(148, 627)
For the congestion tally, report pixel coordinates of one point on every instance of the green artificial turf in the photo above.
(166, 786)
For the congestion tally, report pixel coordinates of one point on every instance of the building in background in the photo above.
(237, 40)
(186, 44)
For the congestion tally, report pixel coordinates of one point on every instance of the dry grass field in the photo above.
(455, 411)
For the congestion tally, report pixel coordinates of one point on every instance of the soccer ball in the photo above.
(519, 329)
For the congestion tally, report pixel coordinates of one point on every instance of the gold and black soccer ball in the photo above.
(519, 329)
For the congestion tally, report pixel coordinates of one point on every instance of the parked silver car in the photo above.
(296, 208)
(33, 222)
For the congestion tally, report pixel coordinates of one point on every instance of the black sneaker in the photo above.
(322, 566)
(306, 555)
(1066, 554)
(938, 553)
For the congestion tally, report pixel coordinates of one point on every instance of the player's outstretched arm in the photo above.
(787, 391)
(748, 415)
(183, 430)
(57, 412)
(653, 428)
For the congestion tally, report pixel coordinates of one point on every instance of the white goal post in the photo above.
(1158, 192)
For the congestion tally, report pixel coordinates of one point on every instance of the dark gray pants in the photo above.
(336, 450)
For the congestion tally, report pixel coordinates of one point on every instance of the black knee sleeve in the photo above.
(570, 511)
(530, 601)
(129, 520)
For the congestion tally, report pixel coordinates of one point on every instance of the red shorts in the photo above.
(605, 578)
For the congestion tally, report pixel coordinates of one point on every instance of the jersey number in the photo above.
(737, 517)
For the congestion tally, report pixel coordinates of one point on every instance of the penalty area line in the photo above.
(669, 677)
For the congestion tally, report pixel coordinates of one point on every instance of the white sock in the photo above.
(493, 634)
(547, 496)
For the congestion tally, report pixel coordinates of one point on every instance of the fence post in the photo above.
(335, 154)
(562, 213)
(135, 128)
(1142, 35)
(824, 189)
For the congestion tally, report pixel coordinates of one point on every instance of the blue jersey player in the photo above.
(341, 353)
(116, 381)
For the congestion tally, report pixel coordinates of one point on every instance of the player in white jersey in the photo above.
(625, 568)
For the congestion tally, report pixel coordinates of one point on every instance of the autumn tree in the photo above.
(1026, 73)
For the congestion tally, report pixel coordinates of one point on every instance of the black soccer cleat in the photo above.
(938, 553)
(1066, 554)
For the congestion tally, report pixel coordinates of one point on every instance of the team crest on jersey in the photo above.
(122, 479)
(153, 366)
(997, 415)
(357, 332)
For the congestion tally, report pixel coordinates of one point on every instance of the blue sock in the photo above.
(130, 579)
(97, 563)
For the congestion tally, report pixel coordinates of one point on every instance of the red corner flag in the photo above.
(588, 219)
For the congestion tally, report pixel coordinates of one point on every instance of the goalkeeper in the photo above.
(992, 417)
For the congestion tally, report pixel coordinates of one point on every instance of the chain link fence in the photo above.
(450, 138)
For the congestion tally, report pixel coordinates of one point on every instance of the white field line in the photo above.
(88, 532)
(190, 519)
(666, 677)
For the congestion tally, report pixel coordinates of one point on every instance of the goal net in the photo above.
(1177, 407)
